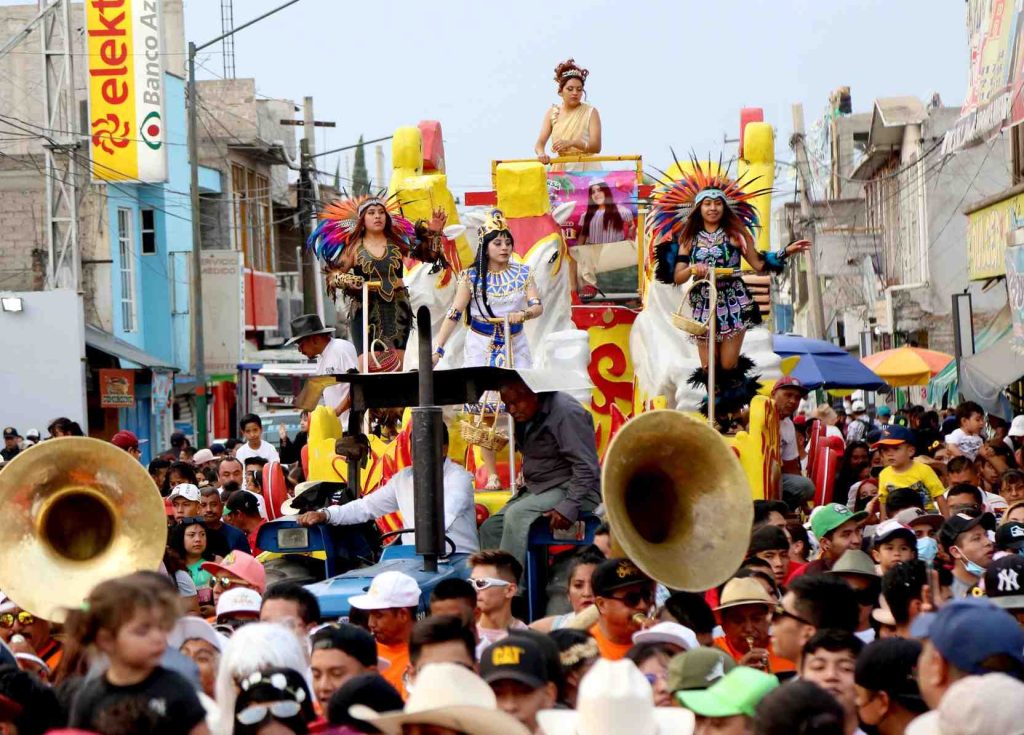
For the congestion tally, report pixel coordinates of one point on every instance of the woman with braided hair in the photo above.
(495, 287)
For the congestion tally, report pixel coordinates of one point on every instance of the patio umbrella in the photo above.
(905, 366)
(825, 365)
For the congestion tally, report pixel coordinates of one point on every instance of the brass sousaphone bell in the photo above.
(77, 511)
(678, 502)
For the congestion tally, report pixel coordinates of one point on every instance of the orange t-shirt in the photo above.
(775, 663)
(609, 649)
(398, 658)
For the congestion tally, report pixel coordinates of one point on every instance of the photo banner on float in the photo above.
(605, 205)
(1015, 294)
(126, 90)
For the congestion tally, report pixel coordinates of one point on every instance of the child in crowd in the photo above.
(128, 620)
(252, 430)
(892, 543)
(967, 441)
(902, 471)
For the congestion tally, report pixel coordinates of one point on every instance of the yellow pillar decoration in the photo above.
(406, 155)
(419, 195)
(522, 189)
(759, 149)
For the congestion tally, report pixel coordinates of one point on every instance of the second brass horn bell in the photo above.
(77, 511)
(678, 502)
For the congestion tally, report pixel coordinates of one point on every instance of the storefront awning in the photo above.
(123, 351)
(985, 375)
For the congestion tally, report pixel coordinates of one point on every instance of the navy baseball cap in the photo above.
(966, 632)
(894, 435)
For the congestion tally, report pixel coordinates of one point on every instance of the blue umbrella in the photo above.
(825, 365)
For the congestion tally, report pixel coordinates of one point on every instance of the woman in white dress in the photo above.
(493, 289)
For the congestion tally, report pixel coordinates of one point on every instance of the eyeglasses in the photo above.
(257, 713)
(484, 583)
(24, 617)
(633, 599)
(781, 612)
(228, 582)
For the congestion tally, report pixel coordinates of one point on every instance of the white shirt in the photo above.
(968, 444)
(338, 357)
(787, 440)
(266, 450)
(398, 495)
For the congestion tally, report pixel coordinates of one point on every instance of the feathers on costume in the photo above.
(673, 200)
(734, 389)
(338, 219)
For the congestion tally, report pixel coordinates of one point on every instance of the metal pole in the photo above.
(816, 323)
(712, 333)
(427, 462)
(198, 344)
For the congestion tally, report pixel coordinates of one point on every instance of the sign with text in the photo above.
(117, 388)
(988, 234)
(1015, 294)
(126, 90)
(604, 205)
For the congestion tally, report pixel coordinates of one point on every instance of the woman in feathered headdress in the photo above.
(493, 288)
(704, 221)
(366, 238)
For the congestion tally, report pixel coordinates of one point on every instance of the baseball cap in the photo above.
(858, 407)
(830, 517)
(671, 633)
(1003, 580)
(11, 433)
(788, 381)
(239, 600)
(189, 627)
(893, 435)
(185, 490)
(6, 603)
(515, 658)
(388, 590)
(915, 516)
(890, 529)
(32, 434)
(962, 523)
(202, 457)
(243, 566)
(614, 574)
(126, 440)
(884, 411)
(1010, 536)
(698, 668)
(993, 703)
(888, 665)
(744, 591)
(1016, 426)
(737, 693)
(966, 632)
(349, 639)
(243, 501)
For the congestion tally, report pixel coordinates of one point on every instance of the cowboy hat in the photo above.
(614, 697)
(307, 325)
(451, 696)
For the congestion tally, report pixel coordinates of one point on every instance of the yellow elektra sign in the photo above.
(126, 90)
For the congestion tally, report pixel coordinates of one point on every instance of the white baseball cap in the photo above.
(1016, 426)
(6, 604)
(858, 407)
(673, 633)
(185, 490)
(239, 600)
(388, 590)
(202, 457)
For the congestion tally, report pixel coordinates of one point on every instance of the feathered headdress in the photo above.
(673, 201)
(338, 220)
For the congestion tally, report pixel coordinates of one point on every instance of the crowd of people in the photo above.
(896, 608)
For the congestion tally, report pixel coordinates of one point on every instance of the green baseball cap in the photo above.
(829, 517)
(698, 668)
(736, 693)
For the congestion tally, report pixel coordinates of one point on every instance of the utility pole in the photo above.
(816, 311)
(198, 341)
(60, 120)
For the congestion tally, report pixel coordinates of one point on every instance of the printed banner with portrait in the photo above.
(604, 205)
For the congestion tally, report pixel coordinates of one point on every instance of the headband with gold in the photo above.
(493, 222)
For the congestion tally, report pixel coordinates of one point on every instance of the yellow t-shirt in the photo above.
(920, 477)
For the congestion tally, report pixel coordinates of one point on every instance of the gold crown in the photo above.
(493, 222)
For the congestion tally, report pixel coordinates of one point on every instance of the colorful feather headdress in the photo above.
(338, 220)
(673, 201)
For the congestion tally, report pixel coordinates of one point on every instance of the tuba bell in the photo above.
(78, 511)
(678, 502)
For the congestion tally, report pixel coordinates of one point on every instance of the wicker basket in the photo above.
(482, 430)
(686, 322)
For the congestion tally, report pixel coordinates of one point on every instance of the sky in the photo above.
(663, 73)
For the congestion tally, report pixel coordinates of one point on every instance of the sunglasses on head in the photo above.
(23, 617)
(257, 713)
(634, 598)
(482, 583)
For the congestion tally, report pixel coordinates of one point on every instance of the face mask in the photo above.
(927, 550)
(973, 569)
